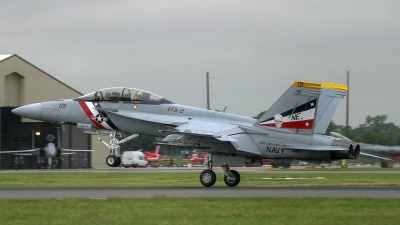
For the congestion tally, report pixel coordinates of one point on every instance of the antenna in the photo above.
(208, 91)
(347, 103)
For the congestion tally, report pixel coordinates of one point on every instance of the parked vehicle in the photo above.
(133, 159)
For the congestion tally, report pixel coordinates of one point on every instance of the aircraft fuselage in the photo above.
(150, 119)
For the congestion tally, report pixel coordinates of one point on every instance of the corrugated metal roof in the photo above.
(2, 57)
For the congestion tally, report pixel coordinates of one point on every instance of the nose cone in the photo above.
(32, 111)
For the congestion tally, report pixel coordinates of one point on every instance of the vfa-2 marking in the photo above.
(176, 110)
(62, 106)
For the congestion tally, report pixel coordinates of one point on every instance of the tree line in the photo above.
(375, 130)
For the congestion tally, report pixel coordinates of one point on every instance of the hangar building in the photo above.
(22, 83)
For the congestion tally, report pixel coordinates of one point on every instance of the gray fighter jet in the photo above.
(49, 152)
(292, 128)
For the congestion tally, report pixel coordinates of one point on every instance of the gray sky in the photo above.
(254, 50)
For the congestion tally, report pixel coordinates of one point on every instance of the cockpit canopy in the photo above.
(117, 94)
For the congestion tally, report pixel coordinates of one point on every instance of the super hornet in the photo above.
(293, 128)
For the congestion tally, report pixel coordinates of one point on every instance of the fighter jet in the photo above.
(292, 128)
(49, 152)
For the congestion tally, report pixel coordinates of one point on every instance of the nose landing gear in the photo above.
(114, 159)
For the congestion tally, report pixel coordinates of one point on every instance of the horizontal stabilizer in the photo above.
(317, 148)
(374, 156)
(245, 144)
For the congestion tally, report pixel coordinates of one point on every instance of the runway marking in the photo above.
(294, 178)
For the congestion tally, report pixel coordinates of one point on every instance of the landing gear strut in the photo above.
(114, 159)
(231, 177)
(208, 177)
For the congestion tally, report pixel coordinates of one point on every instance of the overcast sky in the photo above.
(254, 50)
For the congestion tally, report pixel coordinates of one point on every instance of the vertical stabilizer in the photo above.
(328, 101)
(305, 108)
(156, 149)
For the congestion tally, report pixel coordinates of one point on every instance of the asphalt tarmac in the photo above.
(199, 169)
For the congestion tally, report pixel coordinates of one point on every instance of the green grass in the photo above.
(161, 210)
(87, 179)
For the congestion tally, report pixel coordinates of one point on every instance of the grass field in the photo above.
(165, 210)
(86, 179)
(161, 210)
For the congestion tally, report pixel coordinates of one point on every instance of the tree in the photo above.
(259, 115)
(376, 130)
(332, 127)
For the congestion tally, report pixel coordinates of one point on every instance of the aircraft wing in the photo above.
(208, 128)
(65, 151)
(76, 150)
(224, 132)
(19, 151)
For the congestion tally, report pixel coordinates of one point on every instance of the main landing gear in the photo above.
(114, 159)
(208, 177)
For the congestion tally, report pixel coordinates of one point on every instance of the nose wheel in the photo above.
(113, 161)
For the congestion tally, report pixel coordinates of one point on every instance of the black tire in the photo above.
(119, 160)
(234, 180)
(111, 160)
(208, 178)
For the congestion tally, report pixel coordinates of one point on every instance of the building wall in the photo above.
(101, 153)
(22, 83)
(35, 85)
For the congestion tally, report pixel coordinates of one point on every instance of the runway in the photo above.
(298, 192)
(148, 192)
(199, 169)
